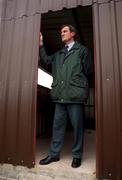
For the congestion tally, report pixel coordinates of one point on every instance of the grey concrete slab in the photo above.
(60, 170)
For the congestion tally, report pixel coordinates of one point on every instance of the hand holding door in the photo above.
(40, 39)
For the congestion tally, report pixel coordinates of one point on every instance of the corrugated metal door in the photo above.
(119, 57)
(108, 73)
(18, 81)
(18, 77)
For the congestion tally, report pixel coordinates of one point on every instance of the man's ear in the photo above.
(73, 34)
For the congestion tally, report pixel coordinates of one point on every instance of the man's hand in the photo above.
(40, 39)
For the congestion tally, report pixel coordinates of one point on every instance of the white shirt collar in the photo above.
(70, 45)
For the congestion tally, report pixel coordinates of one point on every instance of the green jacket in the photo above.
(70, 84)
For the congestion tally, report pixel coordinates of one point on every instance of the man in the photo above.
(70, 67)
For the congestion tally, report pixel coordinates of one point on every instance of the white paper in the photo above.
(44, 79)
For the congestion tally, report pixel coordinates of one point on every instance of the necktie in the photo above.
(66, 49)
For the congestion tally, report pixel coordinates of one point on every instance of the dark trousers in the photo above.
(75, 112)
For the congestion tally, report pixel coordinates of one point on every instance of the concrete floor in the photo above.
(63, 166)
(60, 170)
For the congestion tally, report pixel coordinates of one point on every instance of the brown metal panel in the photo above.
(119, 45)
(1, 7)
(44, 6)
(33, 6)
(71, 3)
(98, 92)
(3, 83)
(54, 5)
(1, 4)
(119, 33)
(118, 81)
(107, 90)
(17, 8)
(10, 9)
(21, 8)
(2, 14)
(11, 103)
(27, 104)
(86, 2)
(18, 81)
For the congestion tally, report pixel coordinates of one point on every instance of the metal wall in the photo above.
(18, 79)
(108, 70)
(17, 8)
(2, 12)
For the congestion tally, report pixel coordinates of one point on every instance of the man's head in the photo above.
(68, 33)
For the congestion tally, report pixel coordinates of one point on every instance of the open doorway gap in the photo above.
(81, 18)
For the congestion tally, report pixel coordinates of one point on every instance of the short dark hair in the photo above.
(71, 28)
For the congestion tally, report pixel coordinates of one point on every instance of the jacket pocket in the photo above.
(79, 83)
(78, 91)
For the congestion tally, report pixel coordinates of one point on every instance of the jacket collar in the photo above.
(75, 46)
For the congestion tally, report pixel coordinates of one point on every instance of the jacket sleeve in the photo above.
(44, 57)
(86, 61)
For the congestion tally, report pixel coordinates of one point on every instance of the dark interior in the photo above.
(81, 18)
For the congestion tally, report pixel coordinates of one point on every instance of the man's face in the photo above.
(67, 35)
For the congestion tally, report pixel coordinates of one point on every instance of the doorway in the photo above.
(81, 18)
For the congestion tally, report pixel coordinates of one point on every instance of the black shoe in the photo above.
(76, 162)
(48, 160)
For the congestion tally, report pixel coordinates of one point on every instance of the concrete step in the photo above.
(10, 172)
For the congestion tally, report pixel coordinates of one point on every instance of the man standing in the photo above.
(70, 67)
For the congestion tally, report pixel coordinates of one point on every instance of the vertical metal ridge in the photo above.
(1, 84)
(98, 89)
(25, 103)
(21, 50)
(9, 118)
(21, 29)
(19, 47)
(116, 75)
(4, 77)
(108, 91)
(118, 26)
(118, 13)
(37, 19)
